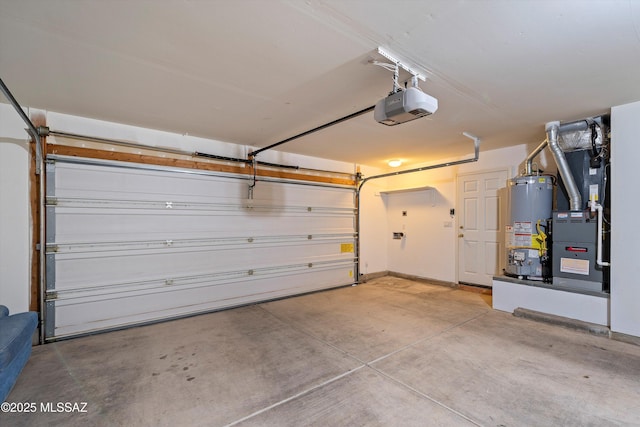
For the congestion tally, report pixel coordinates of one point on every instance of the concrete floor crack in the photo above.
(295, 396)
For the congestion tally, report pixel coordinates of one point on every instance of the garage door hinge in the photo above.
(52, 248)
(51, 295)
(52, 201)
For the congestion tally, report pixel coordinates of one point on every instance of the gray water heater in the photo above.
(530, 203)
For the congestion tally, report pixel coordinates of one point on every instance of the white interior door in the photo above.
(481, 203)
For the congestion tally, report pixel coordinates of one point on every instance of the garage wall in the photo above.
(14, 211)
(430, 247)
(378, 251)
(428, 229)
(373, 225)
(157, 138)
(625, 206)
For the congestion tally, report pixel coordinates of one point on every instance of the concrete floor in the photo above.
(390, 352)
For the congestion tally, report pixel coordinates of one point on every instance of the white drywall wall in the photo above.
(373, 224)
(508, 296)
(423, 217)
(15, 222)
(156, 138)
(625, 206)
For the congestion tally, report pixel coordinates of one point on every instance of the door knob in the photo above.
(460, 235)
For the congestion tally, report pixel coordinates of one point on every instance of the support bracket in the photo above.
(405, 65)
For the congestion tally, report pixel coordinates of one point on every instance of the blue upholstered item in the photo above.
(15, 346)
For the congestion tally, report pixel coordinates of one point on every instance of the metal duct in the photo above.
(552, 129)
(572, 139)
(575, 136)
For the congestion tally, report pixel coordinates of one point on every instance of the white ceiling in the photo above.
(257, 72)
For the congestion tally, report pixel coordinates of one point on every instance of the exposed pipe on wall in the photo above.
(35, 133)
(476, 143)
(597, 207)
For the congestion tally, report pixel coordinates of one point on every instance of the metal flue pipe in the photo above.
(553, 129)
(534, 153)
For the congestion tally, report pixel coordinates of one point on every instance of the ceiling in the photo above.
(257, 72)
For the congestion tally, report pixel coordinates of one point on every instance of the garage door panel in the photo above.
(81, 225)
(88, 316)
(95, 182)
(128, 245)
(73, 269)
(92, 181)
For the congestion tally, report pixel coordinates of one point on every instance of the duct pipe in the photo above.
(552, 129)
(476, 143)
(579, 126)
(533, 155)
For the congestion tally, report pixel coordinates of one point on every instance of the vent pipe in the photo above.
(533, 155)
(553, 129)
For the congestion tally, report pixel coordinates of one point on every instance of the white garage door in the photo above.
(130, 244)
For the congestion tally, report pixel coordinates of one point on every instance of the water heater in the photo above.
(530, 204)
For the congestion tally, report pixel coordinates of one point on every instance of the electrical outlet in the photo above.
(448, 224)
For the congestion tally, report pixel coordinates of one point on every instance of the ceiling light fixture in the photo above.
(394, 163)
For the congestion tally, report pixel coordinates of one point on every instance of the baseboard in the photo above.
(370, 276)
(629, 339)
(477, 289)
(483, 290)
(423, 279)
